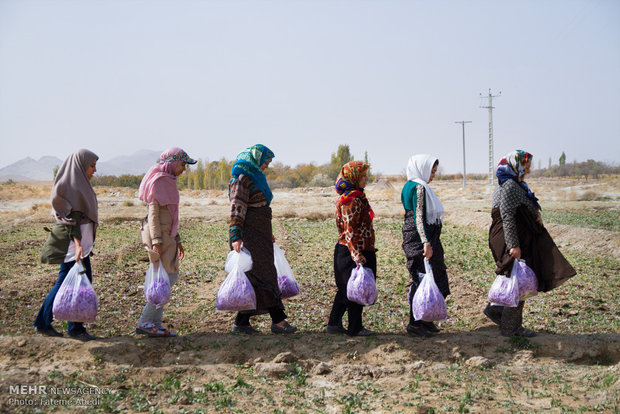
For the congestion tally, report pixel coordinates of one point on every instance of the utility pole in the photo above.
(464, 170)
(491, 154)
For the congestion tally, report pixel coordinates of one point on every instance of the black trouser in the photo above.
(277, 316)
(343, 266)
(511, 317)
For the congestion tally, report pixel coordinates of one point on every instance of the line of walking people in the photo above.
(517, 232)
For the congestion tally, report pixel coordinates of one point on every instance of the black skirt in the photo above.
(537, 249)
(414, 249)
(344, 265)
(258, 239)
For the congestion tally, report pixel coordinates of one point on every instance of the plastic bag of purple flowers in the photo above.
(75, 300)
(157, 285)
(428, 304)
(361, 287)
(236, 292)
(526, 278)
(505, 290)
(286, 281)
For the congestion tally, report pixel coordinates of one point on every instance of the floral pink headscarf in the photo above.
(159, 185)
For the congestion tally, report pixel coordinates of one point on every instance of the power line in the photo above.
(464, 170)
(491, 153)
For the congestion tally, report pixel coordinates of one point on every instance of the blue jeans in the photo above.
(45, 317)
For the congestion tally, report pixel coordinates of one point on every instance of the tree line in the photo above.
(215, 175)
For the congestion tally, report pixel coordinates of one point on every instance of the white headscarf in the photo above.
(419, 170)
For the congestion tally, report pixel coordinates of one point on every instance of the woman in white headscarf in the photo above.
(74, 206)
(421, 232)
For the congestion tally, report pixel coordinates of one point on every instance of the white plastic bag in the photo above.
(75, 300)
(286, 281)
(505, 290)
(157, 285)
(428, 304)
(528, 282)
(236, 292)
(361, 287)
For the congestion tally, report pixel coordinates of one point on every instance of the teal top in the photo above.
(413, 197)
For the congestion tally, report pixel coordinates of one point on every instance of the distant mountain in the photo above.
(43, 169)
(135, 164)
(30, 169)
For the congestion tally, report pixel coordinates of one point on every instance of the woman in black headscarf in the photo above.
(517, 232)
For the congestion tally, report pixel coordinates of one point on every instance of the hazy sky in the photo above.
(387, 77)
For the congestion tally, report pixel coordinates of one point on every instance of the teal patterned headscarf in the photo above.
(248, 163)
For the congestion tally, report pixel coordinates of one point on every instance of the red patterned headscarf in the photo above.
(348, 181)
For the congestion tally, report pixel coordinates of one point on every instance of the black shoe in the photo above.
(430, 326)
(496, 318)
(48, 331)
(286, 329)
(364, 332)
(83, 336)
(335, 329)
(419, 330)
(246, 329)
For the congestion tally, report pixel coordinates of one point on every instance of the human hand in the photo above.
(157, 249)
(515, 252)
(237, 244)
(428, 251)
(273, 238)
(181, 251)
(360, 261)
(539, 219)
(79, 252)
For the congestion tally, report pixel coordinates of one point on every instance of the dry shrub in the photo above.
(288, 214)
(19, 191)
(36, 207)
(318, 216)
(590, 196)
(128, 203)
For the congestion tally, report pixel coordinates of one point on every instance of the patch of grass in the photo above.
(604, 219)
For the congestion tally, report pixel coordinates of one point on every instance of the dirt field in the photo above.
(572, 366)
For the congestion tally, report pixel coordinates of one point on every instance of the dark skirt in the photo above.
(537, 249)
(258, 239)
(344, 265)
(414, 249)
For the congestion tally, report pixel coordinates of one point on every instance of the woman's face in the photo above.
(526, 169)
(265, 165)
(179, 169)
(91, 169)
(433, 172)
(363, 180)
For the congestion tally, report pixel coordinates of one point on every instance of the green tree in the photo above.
(341, 157)
(56, 171)
(562, 159)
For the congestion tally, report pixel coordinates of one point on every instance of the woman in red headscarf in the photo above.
(355, 247)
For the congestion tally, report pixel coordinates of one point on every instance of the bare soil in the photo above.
(466, 370)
